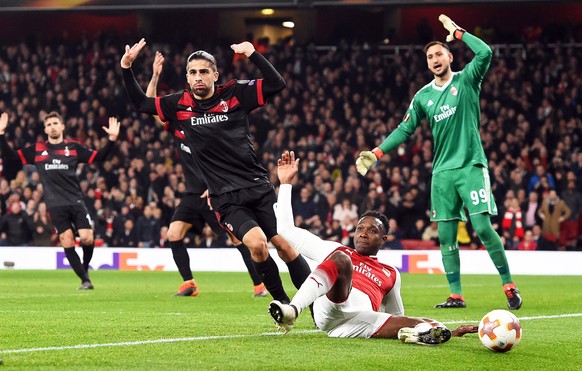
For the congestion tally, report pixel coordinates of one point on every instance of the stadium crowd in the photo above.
(338, 101)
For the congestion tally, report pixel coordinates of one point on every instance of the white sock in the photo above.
(316, 285)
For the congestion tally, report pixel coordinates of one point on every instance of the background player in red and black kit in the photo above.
(215, 122)
(56, 161)
(193, 212)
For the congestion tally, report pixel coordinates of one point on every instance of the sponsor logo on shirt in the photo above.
(208, 119)
(56, 165)
(366, 270)
(446, 112)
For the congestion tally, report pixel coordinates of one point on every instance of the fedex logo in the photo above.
(125, 261)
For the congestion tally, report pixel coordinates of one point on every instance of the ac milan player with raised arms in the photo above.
(353, 293)
(193, 211)
(216, 126)
(460, 180)
(56, 161)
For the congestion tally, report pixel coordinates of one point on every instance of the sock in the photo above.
(75, 263)
(246, 255)
(298, 270)
(269, 274)
(87, 255)
(490, 238)
(182, 259)
(450, 254)
(318, 283)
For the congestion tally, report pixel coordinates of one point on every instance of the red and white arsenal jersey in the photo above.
(370, 276)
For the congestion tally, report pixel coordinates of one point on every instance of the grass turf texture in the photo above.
(132, 321)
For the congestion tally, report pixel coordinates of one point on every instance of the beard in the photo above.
(443, 72)
(201, 92)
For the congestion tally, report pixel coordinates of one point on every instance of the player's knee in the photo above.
(87, 240)
(67, 239)
(342, 261)
(174, 234)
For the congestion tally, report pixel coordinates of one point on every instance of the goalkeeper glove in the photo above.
(455, 32)
(367, 159)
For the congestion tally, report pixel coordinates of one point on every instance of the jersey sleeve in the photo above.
(300, 239)
(476, 69)
(85, 154)
(411, 120)
(392, 301)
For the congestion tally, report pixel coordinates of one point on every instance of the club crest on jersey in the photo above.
(223, 106)
(454, 91)
(67, 152)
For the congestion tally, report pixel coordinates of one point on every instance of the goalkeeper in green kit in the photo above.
(450, 103)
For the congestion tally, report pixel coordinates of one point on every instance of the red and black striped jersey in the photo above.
(57, 165)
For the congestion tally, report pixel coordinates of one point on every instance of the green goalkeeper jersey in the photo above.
(453, 112)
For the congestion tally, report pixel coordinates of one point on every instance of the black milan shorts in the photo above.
(246, 208)
(195, 211)
(73, 217)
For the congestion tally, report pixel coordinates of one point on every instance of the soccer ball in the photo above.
(500, 330)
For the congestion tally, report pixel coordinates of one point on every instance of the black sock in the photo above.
(87, 255)
(269, 274)
(182, 259)
(298, 270)
(75, 263)
(246, 255)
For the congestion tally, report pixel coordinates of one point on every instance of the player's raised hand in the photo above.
(287, 167)
(3, 123)
(455, 32)
(131, 53)
(158, 64)
(113, 129)
(245, 48)
(365, 162)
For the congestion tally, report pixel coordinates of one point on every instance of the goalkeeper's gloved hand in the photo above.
(455, 32)
(367, 159)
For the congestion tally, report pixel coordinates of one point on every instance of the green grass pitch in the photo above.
(132, 321)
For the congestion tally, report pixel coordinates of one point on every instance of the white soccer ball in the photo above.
(500, 330)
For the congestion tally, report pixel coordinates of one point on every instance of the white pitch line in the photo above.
(142, 342)
(532, 318)
(200, 338)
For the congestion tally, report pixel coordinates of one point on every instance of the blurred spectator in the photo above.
(536, 182)
(332, 231)
(530, 217)
(553, 212)
(528, 242)
(431, 233)
(128, 236)
(418, 230)
(148, 228)
(512, 225)
(304, 204)
(15, 227)
(394, 236)
(44, 232)
(346, 209)
(209, 239)
(569, 232)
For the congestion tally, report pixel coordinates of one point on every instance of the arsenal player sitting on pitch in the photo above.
(56, 161)
(353, 293)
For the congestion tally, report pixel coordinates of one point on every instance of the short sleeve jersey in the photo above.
(57, 165)
(193, 177)
(453, 112)
(217, 132)
(370, 276)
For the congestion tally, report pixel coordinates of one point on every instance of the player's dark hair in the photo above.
(378, 215)
(201, 54)
(54, 114)
(436, 43)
